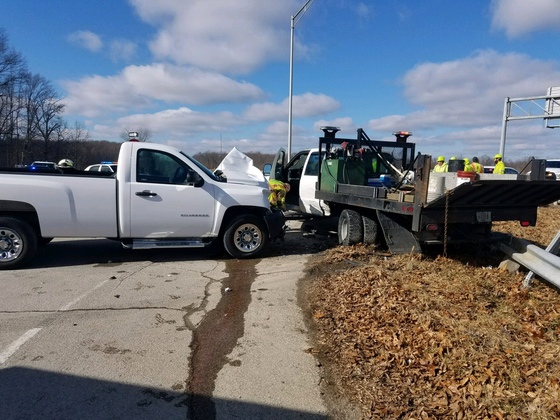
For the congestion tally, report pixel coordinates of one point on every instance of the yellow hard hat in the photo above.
(497, 156)
(452, 158)
(467, 161)
(441, 159)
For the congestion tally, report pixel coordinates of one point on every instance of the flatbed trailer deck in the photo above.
(409, 214)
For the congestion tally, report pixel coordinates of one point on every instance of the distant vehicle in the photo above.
(42, 165)
(103, 167)
(553, 165)
(509, 170)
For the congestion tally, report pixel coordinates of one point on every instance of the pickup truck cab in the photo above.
(158, 198)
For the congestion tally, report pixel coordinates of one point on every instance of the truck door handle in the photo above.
(146, 193)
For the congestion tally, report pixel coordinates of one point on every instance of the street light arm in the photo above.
(301, 11)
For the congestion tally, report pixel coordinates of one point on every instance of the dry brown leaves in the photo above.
(425, 337)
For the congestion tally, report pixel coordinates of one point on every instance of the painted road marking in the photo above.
(12, 348)
(72, 303)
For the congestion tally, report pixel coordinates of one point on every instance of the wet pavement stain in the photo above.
(216, 337)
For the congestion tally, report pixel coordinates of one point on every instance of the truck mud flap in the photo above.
(398, 235)
(275, 222)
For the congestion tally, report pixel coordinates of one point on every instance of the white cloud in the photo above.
(363, 11)
(222, 35)
(519, 17)
(346, 125)
(86, 39)
(139, 86)
(122, 50)
(305, 105)
(462, 100)
(181, 122)
(471, 91)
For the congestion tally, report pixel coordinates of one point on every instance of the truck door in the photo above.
(277, 169)
(301, 172)
(168, 198)
(307, 186)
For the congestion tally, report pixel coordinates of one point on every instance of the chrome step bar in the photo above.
(164, 243)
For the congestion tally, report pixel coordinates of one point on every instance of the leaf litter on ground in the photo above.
(430, 337)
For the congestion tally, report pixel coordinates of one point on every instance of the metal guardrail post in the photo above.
(536, 259)
(551, 248)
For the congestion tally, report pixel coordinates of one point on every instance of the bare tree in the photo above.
(43, 109)
(12, 67)
(74, 146)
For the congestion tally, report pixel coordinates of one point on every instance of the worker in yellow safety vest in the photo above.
(278, 191)
(478, 168)
(468, 166)
(441, 165)
(500, 167)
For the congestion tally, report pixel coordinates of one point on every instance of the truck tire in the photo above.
(245, 237)
(371, 230)
(18, 243)
(350, 227)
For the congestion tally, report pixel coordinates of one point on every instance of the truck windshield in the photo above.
(202, 167)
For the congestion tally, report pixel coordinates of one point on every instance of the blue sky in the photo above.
(208, 75)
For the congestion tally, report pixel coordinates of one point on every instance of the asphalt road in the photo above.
(91, 330)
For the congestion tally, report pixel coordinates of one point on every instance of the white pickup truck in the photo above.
(158, 198)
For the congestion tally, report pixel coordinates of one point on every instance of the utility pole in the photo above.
(293, 22)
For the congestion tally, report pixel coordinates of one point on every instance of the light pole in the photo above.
(293, 22)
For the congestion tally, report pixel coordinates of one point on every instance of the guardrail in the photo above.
(541, 262)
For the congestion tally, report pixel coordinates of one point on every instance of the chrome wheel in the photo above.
(18, 242)
(248, 237)
(245, 237)
(11, 245)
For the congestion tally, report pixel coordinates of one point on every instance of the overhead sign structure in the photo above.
(553, 107)
(537, 107)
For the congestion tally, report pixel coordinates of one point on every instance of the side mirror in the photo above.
(194, 179)
(266, 170)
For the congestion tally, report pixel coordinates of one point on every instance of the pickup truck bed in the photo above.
(68, 211)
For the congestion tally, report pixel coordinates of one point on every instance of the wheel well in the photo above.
(23, 211)
(337, 209)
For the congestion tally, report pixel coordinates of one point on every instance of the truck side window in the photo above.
(312, 165)
(161, 168)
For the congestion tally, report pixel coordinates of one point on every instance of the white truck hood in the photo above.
(239, 169)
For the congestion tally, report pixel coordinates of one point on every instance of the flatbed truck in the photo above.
(381, 191)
